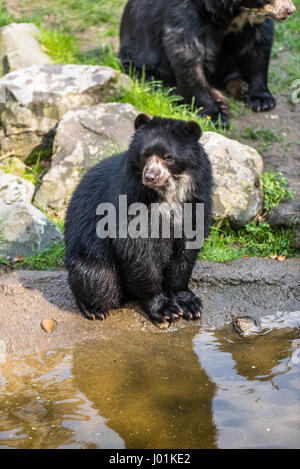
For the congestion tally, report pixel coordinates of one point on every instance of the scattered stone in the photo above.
(246, 326)
(37, 97)
(83, 138)
(19, 47)
(238, 192)
(163, 325)
(48, 325)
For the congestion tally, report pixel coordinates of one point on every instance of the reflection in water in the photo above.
(258, 397)
(164, 390)
(40, 407)
(151, 390)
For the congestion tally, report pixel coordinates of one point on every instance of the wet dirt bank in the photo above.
(251, 287)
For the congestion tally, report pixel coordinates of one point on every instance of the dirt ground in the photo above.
(251, 287)
(283, 156)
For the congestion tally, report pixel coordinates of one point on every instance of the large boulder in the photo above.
(37, 97)
(23, 228)
(19, 47)
(83, 138)
(238, 193)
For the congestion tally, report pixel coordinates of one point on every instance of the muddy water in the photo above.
(190, 388)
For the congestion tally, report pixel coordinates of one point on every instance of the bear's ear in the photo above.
(141, 119)
(193, 128)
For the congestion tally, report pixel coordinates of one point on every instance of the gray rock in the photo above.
(83, 138)
(14, 189)
(37, 97)
(287, 214)
(238, 192)
(19, 47)
(24, 230)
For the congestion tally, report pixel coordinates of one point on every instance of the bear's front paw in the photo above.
(163, 309)
(190, 304)
(261, 102)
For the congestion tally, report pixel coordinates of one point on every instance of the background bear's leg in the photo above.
(254, 67)
(176, 283)
(193, 84)
(95, 287)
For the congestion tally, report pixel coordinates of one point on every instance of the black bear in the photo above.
(202, 46)
(165, 164)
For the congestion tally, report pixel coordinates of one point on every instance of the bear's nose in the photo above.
(290, 10)
(151, 175)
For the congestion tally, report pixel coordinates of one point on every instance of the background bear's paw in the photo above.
(261, 102)
(190, 304)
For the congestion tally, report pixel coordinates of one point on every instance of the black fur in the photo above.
(106, 273)
(186, 44)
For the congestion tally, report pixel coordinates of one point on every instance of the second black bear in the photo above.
(202, 46)
(165, 163)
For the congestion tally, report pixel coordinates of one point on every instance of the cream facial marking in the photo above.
(278, 10)
(178, 189)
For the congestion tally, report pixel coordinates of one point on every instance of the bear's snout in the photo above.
(155, 172)
(280, 10)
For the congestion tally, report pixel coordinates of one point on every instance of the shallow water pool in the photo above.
(191, 388)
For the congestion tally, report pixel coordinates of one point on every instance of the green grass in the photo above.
(50, 258)
(275, 189)
(5, 16)
(265, 136)
(255, 239)
(152, 98)
(75, 15)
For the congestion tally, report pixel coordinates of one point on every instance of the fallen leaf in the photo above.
(18, 259)
(281, 258)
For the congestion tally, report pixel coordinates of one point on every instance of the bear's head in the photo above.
(278, 10)
(166, 154)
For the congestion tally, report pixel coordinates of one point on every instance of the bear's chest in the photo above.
(244, 18)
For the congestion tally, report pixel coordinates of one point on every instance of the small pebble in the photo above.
(48, 325)
(162, 325)
(246, 326)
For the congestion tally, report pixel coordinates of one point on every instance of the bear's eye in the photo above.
(169, 158)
